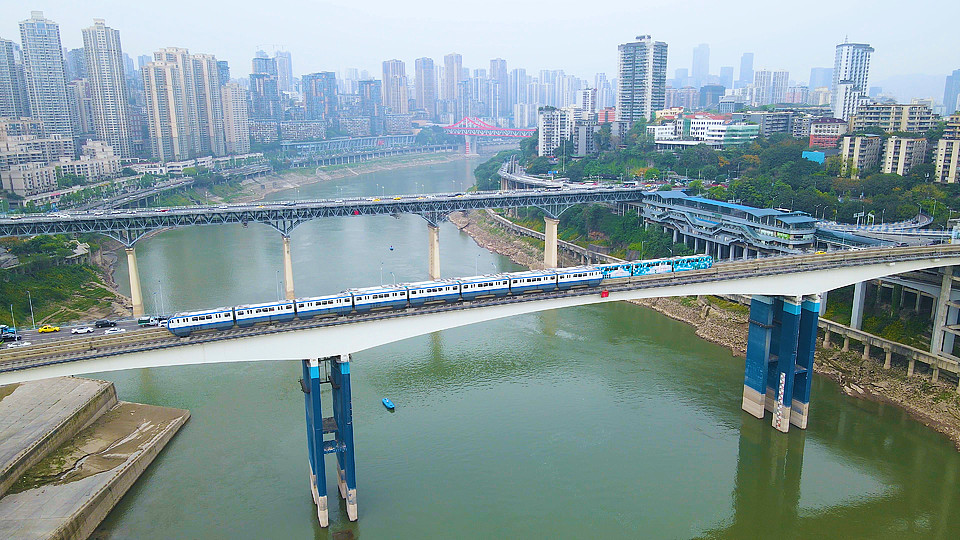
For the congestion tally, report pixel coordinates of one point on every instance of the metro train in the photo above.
(406, 295)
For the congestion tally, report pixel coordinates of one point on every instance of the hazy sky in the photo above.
(580, 36)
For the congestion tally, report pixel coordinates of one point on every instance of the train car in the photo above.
(617, 270)
(251, 314)
(478, 286)
(692, 262)
(321, 306)
(654, 266)
(441, 290)
(533, 280)
(182, 324)
(578, 276)
(388, 296)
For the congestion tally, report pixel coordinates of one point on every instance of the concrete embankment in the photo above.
(104, 445)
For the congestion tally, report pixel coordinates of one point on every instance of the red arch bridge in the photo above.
(471, 127)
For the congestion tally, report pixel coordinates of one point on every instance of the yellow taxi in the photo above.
(48, 328)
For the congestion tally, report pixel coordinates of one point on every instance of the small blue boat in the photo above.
(388, 404)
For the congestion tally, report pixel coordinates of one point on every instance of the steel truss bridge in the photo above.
(128, 226)
(478, 128)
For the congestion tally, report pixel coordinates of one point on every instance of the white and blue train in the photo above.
(425, 292)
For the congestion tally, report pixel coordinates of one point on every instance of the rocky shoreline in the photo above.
(936, 405)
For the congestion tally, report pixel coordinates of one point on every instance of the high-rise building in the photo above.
(14, 102)
(501, 80)
(371, 104)
(425, 86)
(46, 81)
(951, 93)
(851, 73)
(80, 96)
(726, 76)
(320, 97)
(236, 123)
(284, 71)
(108, 86)
(74, 64)
(184, 107)
(701, 64)
(264, 88)
(587, 103)
(452, 75)
(395, 87)
(643, 77)
(605, 96)
(820, 77)
(224, 68)
(770, 87)
(746, 69)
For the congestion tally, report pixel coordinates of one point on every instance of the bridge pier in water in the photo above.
(433, 231)
(778, 373)
(340, 426)
(287, 268)
(134, 275)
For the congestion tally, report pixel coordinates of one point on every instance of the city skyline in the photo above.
(897, 46)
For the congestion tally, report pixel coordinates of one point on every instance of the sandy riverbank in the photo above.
(936, 405)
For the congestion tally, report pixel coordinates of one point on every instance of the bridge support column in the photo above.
(803, 372)
(759, 336)
(846, 344)
(343, 417)
(826, 339)
(310, 384)
(434, 257)
(866, 351)
(674, 236)
(287, 269)
(823, 303)
(911, 366)
(941, 310)
(550, 255)
(887, 358)
(786, 362)
(134, 274)
(859, 295)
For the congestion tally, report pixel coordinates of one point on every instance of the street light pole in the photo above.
(14, 318)
(32, 319)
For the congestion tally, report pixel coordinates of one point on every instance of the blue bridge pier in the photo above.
(334, 371)
(781, 343)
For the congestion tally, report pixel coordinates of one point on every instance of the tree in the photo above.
(127, 171)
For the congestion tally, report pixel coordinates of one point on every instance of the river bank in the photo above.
(256, 189)
(934, 404)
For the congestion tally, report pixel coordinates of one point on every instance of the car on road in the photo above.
(17, 344)
(109, 331)
(48, 328)
(10, 337)
(81, 330)
(104, 323)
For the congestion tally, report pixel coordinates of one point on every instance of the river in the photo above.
(605, 421)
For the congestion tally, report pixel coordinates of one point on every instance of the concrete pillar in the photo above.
(910, 366)
(287, 269)
(940, 319)
(916, 301)
(343, 417)
(759, 337)
(846, 344)
(887, 358)
(310, 385)
(134, 274)
(786, 362)
(856, 317)
(674, 236)
(936, 374)
(803, 370)
(731, 252)
(953, 314)
(826, 339)
(866, 351)
(434, 256)
(550, 256)
(823, 303)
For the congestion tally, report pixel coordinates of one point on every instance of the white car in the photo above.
(109, 331)
(82, 330)
(17, 344)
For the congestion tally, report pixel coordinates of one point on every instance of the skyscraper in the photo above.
(746, 69)
(726, 76)
(701, 64)
(395, 87)
(771, 86)
(284, 71)
(643, 77)
(951, 93)
(371, 104)
(43, 66)
(224, 68)
(452, 75)
(75, 65)
(108, 87)
(320, 96)
(425, 86)
(167, 114)
(14, 102)
(851, 73)
(820, 77)
(206, 80)
(498, 74)
(236, 125)
(264, 88)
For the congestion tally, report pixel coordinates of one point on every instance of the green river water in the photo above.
(606, 421)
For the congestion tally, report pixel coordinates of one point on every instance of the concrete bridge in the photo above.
(784, 316)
